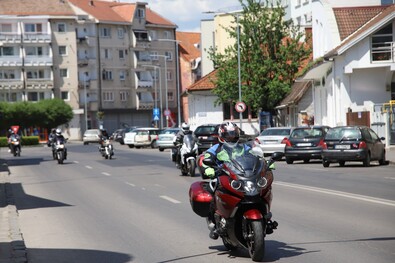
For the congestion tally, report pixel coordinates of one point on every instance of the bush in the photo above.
(26, 140)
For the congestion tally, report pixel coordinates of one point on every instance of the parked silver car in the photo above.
(272, 139)
(166, 138)
(91, 136)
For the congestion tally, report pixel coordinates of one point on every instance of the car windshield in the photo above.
(270, 132)
(306, 133)
(206, 130)
(169, 131)
(341, 133)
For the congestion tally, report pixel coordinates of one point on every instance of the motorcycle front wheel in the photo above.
(255, 239)
(191, 167)
(60, 157)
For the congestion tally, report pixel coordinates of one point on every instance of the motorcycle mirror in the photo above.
(277, 156)
(209, 162)
(257, 151)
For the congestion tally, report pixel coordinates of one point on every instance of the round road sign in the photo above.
(240, 106)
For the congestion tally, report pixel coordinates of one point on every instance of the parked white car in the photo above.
(129, 138)
(271, 139)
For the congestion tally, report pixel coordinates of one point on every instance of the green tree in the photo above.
(271, 52)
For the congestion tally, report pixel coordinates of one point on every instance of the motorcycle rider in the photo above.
(178, 141)
(59, 136)
(51, 137)
(228, 135)
(103, 136)
(11, 135)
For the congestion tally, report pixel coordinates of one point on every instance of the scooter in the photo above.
(236, 204)
(188, 152)
(15, 145)
(107, 149)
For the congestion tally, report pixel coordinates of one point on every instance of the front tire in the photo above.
(382, 160)
(342, 163)
(289, 160)
(366, 162)
(60, 157)
(255, 239)
(325, 163)
(191, 167)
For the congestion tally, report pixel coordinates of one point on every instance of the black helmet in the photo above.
(228, 132)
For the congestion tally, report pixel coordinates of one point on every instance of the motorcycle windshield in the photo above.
(60, 140)
(242, 163)
(189, 141)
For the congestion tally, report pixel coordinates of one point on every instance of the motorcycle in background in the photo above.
(188, 151)
(59, 150)
(106, 149)
(236, 204)
(15, 145)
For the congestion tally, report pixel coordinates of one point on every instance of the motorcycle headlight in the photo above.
(61, 146)
(262, 182)
(236, 184)
(249, 187)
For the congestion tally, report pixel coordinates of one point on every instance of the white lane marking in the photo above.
(107, 174)
(392, 178)
(130, 184)
(170, 199)
(338, 193)
(76, 162)
(89, 167)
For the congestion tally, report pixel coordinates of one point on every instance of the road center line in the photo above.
(170, 199)
(89, 167)
(130, 184)
(338, 193)
(107, 174)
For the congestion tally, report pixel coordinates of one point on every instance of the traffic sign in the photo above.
(156, 114)
(240, 106)
(167, 112)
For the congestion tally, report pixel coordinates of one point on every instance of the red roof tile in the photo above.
(36, 7)
(187, 44)
(205, 83)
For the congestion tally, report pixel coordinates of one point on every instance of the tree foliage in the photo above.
(45, 113)
(271, 52)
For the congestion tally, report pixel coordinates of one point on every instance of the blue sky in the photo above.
(188, 13)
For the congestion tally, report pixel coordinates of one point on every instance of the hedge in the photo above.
(26, 140)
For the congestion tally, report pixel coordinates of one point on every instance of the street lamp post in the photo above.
(238, 55)
(86, 103)
(156, 91)
(177, 78)
(166, 92)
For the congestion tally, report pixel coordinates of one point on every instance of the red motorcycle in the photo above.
(241, 196)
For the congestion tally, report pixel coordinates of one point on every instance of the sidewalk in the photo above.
(12, 245)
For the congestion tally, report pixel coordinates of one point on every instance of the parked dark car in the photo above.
(353, 143)
(207, 136)
(118, 135)
(305, 143)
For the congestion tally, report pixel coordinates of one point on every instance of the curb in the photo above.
(12, 245)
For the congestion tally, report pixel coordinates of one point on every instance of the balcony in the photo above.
(86, 40)
(45, 61)
(10, 38)
(10, 61)
(7, 84)
(85, 61)
(37, 38)
(39, 84)
(383, 52)
(144, 101)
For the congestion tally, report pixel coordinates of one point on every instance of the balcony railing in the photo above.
(10, 61)
(6, 84)
(383, 52)
(38, 61)
(39, 83)
(37, 38)
(10, 37)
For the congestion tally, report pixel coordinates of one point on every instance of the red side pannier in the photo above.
(200, 198)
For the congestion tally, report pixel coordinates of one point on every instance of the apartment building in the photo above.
(106, 59)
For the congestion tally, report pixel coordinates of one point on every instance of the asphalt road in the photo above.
(135, 208)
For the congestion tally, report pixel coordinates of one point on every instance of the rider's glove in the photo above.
(210, 172)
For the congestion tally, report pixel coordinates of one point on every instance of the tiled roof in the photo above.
(103, 11)
(155, 18)
(350, 19)
(187, 43)
(35, 7)
(299, 88)
(204, 83)
(384, 13)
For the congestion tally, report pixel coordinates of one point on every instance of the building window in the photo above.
(121, 33)
(35, 74)
(35, 96)
(122, 75)
(34, 51)
(108, 96)
(6, 51)
(121, 53)
(107, 75)
(170, 95)
(153, 34)
(5, 28)
(62, 50)
(382, 42)
(64, 73)
(140, 13)
(169, 76)
(62, 27)
(169, 55)
(123, 95)
(7, 74)
(105, 32)
(154, 55)
(65, 95)
(166, 35)
(107, 53)
(33, 28)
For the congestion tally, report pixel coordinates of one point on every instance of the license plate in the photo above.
(304, 144)
(269, 142)
(342, 147)
(203, 137)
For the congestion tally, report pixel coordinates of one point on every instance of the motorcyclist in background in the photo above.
(103, 136)
(11, 135)
(51, 137)
(228, 136)
(178, 141)
(59, 136)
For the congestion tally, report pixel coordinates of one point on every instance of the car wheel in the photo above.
(382, 160)
(325, 163)
(153, 144)
(342, 163)
(289, 160)
(306, 160)
(366, 162)
(85, 143)
(161, 149)
(131, 146)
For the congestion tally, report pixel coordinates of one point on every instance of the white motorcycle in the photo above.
(107, 149)
(188, 153)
